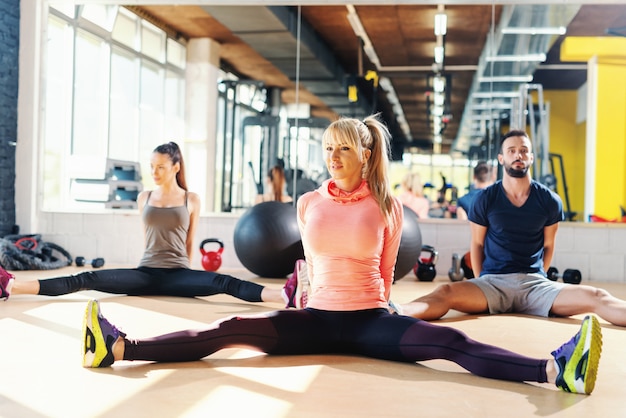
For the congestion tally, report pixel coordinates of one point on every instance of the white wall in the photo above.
(597, 250)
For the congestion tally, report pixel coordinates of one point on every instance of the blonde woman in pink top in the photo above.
(351, 229)
(412, 195)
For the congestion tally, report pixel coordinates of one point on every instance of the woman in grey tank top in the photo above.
(170, 216)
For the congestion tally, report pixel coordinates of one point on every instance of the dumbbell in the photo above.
(571, 276)
(95, 263)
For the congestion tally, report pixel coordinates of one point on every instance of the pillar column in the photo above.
(201, 100)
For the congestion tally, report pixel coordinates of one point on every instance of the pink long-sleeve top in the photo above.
(350, 250)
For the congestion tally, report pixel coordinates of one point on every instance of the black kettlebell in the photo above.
(425, 267)
(211, 260)
(466, 265)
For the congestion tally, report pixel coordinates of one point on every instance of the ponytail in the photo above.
(376, 170)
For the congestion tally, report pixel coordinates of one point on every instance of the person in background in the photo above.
(170, 217)
(275, 187)
(483, 177)
(412, 195)
(351, 228)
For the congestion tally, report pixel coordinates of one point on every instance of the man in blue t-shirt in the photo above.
(513, 226)
(483, 177)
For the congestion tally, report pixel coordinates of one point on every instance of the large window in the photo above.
(114, 88)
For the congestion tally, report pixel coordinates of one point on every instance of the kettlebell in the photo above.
(456, 272)
(466, 265)
(425, 267)
(211, 260)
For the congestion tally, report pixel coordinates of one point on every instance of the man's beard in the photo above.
(515, 172)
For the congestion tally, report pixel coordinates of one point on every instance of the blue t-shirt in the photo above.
(467, 199)
(514, 239)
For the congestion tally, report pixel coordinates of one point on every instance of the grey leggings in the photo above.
(370, 333)
(153, 281)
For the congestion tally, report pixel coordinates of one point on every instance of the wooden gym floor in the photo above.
(41, 373)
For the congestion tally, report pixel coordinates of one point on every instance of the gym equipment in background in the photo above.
(410, 244)
(117, 188)
(571, 276)
(425, 268)
(211, 260)
(95, 263)
(466, 265)
(267, 239)
(456, 272)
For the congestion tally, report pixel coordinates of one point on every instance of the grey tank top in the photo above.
(166, 236)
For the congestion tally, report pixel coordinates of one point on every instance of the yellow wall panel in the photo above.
(610, 181)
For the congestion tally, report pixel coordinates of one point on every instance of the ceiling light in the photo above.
(506, 79)
(439, 84)
(559, 30)
(518, 58)
(439, 54)
(441, 23)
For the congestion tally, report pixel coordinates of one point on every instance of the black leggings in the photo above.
(370, 333)
(153, 281)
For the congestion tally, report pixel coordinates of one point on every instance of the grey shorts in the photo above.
(525, 293)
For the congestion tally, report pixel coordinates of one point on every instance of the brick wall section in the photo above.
(9, 73)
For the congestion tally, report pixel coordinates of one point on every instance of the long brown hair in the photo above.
(172, 150)
(277, 178)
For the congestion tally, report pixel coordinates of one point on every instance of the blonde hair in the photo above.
(369, 134)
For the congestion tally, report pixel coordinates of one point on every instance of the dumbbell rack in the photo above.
(118, 189)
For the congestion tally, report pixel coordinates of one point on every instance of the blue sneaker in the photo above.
(6, 282)
(98, 337)
(577, 360)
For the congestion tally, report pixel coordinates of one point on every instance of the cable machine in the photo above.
(538, 116)
(304, 140)
(238, 147)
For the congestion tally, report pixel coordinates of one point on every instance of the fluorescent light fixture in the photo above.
(357, 27)
(439, 54)
(518, 58)
(506, 79)
(559, 30)
(439, 84)
(495, 94)
(439, 99)
(441, 23)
